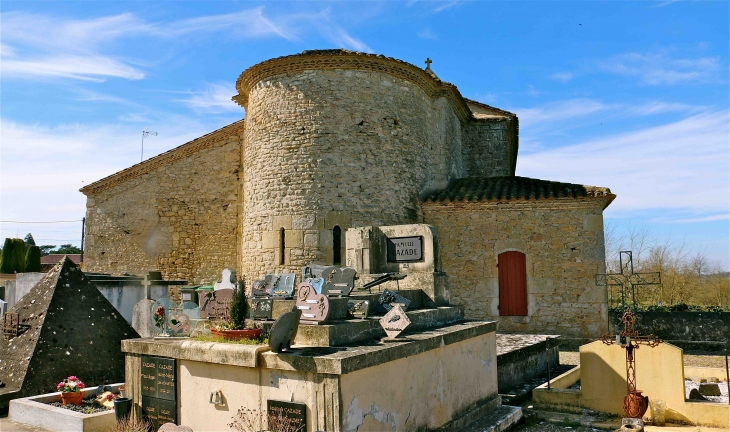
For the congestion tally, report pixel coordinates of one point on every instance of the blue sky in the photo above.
(627, 95)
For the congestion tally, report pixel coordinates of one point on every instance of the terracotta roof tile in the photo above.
(513, 188)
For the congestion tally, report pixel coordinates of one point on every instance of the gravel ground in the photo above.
(88, 406)
(689, 385)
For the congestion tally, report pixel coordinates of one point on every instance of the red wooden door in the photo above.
(512, 284)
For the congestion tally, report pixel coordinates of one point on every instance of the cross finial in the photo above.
(146, 283)
(428, 63)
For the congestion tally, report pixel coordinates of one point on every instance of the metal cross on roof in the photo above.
(428, 63)
(627, 279)
(635, 404)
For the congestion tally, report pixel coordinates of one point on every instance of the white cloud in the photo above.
(560, 110)
(215, 98)
(679, 166)
(41, 46)
(660, 68)
(562, 76)
(661, 107)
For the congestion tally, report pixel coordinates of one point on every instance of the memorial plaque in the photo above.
(286, 416)
(263, 287)
(395, 321)
(159, 390)
(159, 411)
(217, 304)
(149, 410)
(261, 308)
(338, 281)
(358, 309)
(387, 298)
(166, 379)
(317, 284)
(283, 285)
(315, 307)
(405, 249)
(312, 271)
(149, 376)
(284, 330)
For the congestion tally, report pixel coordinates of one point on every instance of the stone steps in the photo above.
(346, 332)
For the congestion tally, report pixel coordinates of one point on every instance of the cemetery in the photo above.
(429, 291)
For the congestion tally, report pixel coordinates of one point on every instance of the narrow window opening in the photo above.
(282, 245)
(336, 245)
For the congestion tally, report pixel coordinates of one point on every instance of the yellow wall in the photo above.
(391, 396)
(660, 374)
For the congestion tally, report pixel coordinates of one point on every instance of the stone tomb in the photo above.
(66, 327)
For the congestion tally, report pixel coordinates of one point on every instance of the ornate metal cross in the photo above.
(635, 404)
(627, 279)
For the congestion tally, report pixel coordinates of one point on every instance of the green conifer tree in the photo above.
(13, 257)
(33, 259)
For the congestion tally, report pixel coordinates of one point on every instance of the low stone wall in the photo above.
(523, 357)
(681, 326)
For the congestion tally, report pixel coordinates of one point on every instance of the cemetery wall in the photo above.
(564, 247)
(176, 212)
(682, 326)
(326, 148)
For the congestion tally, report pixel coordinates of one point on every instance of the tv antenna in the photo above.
(145, 133)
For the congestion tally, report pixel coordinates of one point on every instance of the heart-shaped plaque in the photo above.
(315, 307)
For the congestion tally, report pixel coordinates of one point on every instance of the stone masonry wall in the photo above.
(336, 147)
(180, 218)
(564, 247)
(485, 150)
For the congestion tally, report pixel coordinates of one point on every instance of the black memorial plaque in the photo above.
(387, 298)
(286, 416)
(159, 390)
(405, 249)
(262, 308)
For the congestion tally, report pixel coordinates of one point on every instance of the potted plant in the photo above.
(70, 389)
(235, 327)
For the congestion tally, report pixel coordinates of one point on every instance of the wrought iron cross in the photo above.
(627, 279)
(428, 63)
(635, 404)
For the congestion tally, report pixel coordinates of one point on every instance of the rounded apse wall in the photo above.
(325, 149)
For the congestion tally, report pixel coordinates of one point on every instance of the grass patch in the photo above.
(210, 338)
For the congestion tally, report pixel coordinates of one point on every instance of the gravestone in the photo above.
(158, 382)
(284, 330)
(315, 307)
(228, 280)
(388, 297)
(261, 308)
(67, 327)
(216, 305)
(395, 321)
(338, 281)
(312, 271)
(275, 285)
(142, 318)
(263, 287)
(317, 283)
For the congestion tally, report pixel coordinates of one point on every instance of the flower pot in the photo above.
(122, 408)
(72, 398)
(238, 334)
(122, 389)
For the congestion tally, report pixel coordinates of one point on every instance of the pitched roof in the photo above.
(514, 188)
(54, 258)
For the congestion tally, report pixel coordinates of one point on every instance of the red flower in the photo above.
(72, 378)
(110, 397)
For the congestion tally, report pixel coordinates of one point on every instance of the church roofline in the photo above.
(515, 188)
(165, 158)
(331, 59)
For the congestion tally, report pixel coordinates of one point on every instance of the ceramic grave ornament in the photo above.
(228, 280)
(261, 308)
(263, 287)
(315, 307)
(394, 322)
(160, 316)
(284, 330)
(338, 281)
(388, 298)
(358, 309)
(182, 320)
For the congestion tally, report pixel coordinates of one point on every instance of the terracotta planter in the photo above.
(238, 334)
(72, 398)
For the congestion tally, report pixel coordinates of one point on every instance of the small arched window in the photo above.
(336, 245)
(512, 284)
(282, 246)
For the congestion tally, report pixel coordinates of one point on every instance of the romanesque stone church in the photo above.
(334, 139)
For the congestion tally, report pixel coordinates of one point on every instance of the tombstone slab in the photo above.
(216, 304)
(284, 330)
(228, 280)
(710, 389)
(338, 281)
(358, 308)
(388, 298)
(395, 321)
(142, 318)
(315, 307)
(262, 308)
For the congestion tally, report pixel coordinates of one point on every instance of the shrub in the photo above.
(33, 259)
(239, 307)
(13, 256)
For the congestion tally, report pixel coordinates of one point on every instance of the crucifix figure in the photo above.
(635, 404)
(627, 279)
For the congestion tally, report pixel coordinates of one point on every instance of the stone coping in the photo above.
(323, 360)
(188, 349)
